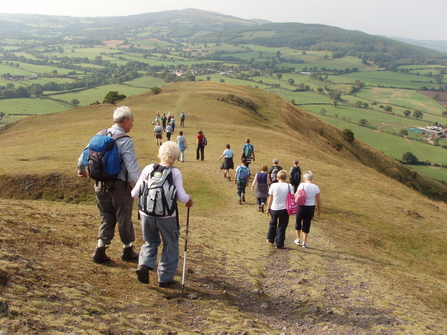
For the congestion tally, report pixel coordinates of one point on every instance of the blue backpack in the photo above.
(101, 156)
(242, 174)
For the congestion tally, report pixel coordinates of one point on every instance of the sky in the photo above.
(414, 19)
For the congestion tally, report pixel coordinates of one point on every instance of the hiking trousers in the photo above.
(155, 230)
(115, 206)
(277, 227)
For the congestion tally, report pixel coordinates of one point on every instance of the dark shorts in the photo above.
(158, 136)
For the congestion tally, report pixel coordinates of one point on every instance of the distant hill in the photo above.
(205, 26)
(431, 44)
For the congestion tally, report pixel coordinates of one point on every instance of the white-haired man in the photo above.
(113, 197)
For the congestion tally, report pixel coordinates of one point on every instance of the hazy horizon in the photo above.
(398, 18)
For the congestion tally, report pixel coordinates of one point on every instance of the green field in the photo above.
(405, 98)
(31, 106)
(87, 97)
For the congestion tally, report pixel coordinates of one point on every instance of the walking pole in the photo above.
(184, 254)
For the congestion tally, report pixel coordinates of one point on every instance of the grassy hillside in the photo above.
(373, 266)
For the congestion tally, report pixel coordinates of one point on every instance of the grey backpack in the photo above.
(158, 194)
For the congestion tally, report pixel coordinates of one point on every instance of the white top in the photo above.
(279, 192)
(311, 191)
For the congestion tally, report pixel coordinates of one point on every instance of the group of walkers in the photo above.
(166, 124)
(270, 188)
(114, 194)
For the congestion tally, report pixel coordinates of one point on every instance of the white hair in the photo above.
(308, 175)
(121, 113)
(169, 152)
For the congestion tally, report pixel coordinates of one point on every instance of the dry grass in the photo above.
(377, 237)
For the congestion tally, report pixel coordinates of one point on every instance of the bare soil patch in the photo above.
(442, 96)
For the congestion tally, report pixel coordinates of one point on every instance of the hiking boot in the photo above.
(167, 283)
(262, 208)
(129, 254)
(239, 202)
(243, 198)
(100, 255)
(304, 245)
(297, 241)
(143, 274)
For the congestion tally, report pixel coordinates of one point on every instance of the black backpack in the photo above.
(295, 175)
(274, 174)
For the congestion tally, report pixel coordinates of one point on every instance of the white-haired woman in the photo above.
(165, 228)
(306, 212)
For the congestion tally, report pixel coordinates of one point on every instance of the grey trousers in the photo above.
(155, 230)
(115, 206)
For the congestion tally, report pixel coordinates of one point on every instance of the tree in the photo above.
(404, 132)
(75, 102)
(320, 89)
(418, 114)
(407, 112)
(291, 81)
(409, 158)
(363, 123)
(113, 97)
(292, 101)
(323, 111)
(436, 96)
(279, 75)
(156, 90)
(22, 92)
(388, 109)
(348, 135)
(359, 104)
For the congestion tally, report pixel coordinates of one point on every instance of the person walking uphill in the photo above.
(277, 209)
(201, 142)
(113, 197)
(248, 152)
(159, 215)
(306, 211)
(242, 178)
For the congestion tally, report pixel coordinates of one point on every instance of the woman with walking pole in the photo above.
(159, 220)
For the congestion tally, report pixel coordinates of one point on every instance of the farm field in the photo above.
(395, 146)
(30, 106)
(87, 97)
(404, 98)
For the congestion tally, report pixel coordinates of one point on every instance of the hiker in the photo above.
(158, 133)
(113, 197)
(164, 120)
(248, 152)
(168, 118)
(295, 175)
(306, 212)
(273, 170)
(181, 141)
(172, 123)
(200, 146)
(166, 228)
(168, 131)
(242, 178)
(261, 182)
(182, 119)
(277, 209)
(228, 163)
